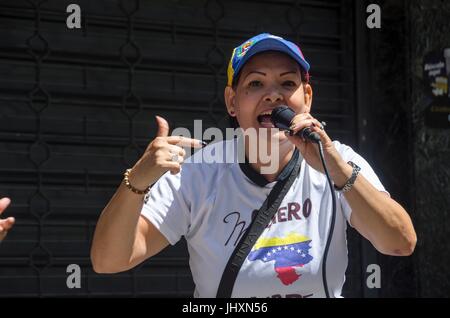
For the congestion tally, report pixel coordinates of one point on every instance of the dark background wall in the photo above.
(430, 30)
(413, 157)
(77, 108)
(386, 133)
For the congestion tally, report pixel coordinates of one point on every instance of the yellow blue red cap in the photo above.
(261, 43)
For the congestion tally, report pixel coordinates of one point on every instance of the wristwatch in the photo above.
(349, 184)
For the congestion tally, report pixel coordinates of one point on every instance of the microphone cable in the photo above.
(333, 220)
(281, 118)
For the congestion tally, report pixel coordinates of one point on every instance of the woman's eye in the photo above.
(289, 83)
(254, 84)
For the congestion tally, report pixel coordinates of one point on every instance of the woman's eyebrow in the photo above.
(256, 72)
(289, 72)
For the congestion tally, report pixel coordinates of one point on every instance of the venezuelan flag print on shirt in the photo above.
(286, 253)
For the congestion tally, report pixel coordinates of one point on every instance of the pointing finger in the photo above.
(185, 142)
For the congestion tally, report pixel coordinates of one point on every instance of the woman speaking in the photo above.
(222, 208)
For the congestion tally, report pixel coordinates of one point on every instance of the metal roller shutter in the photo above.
(77, 108)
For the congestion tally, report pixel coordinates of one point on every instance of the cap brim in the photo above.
(271, 45)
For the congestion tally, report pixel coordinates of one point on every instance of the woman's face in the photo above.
(267, 80)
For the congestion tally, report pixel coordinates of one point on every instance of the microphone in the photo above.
(282, 117)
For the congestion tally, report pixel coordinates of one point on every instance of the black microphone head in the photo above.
(282, 116)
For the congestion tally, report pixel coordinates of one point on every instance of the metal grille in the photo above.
(77, 108)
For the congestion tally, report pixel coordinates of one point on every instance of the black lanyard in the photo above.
(259, 223)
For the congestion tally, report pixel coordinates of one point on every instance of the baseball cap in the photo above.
(261, 43)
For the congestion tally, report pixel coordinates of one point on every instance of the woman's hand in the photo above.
(309, 150)
(160, 155)
(6, 224)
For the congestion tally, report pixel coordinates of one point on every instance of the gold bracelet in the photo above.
(129, 186)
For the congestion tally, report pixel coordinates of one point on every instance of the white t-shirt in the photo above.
(211, 205)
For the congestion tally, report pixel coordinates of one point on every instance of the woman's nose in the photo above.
(273, 95)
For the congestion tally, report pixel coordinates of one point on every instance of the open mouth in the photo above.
(265, 119)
